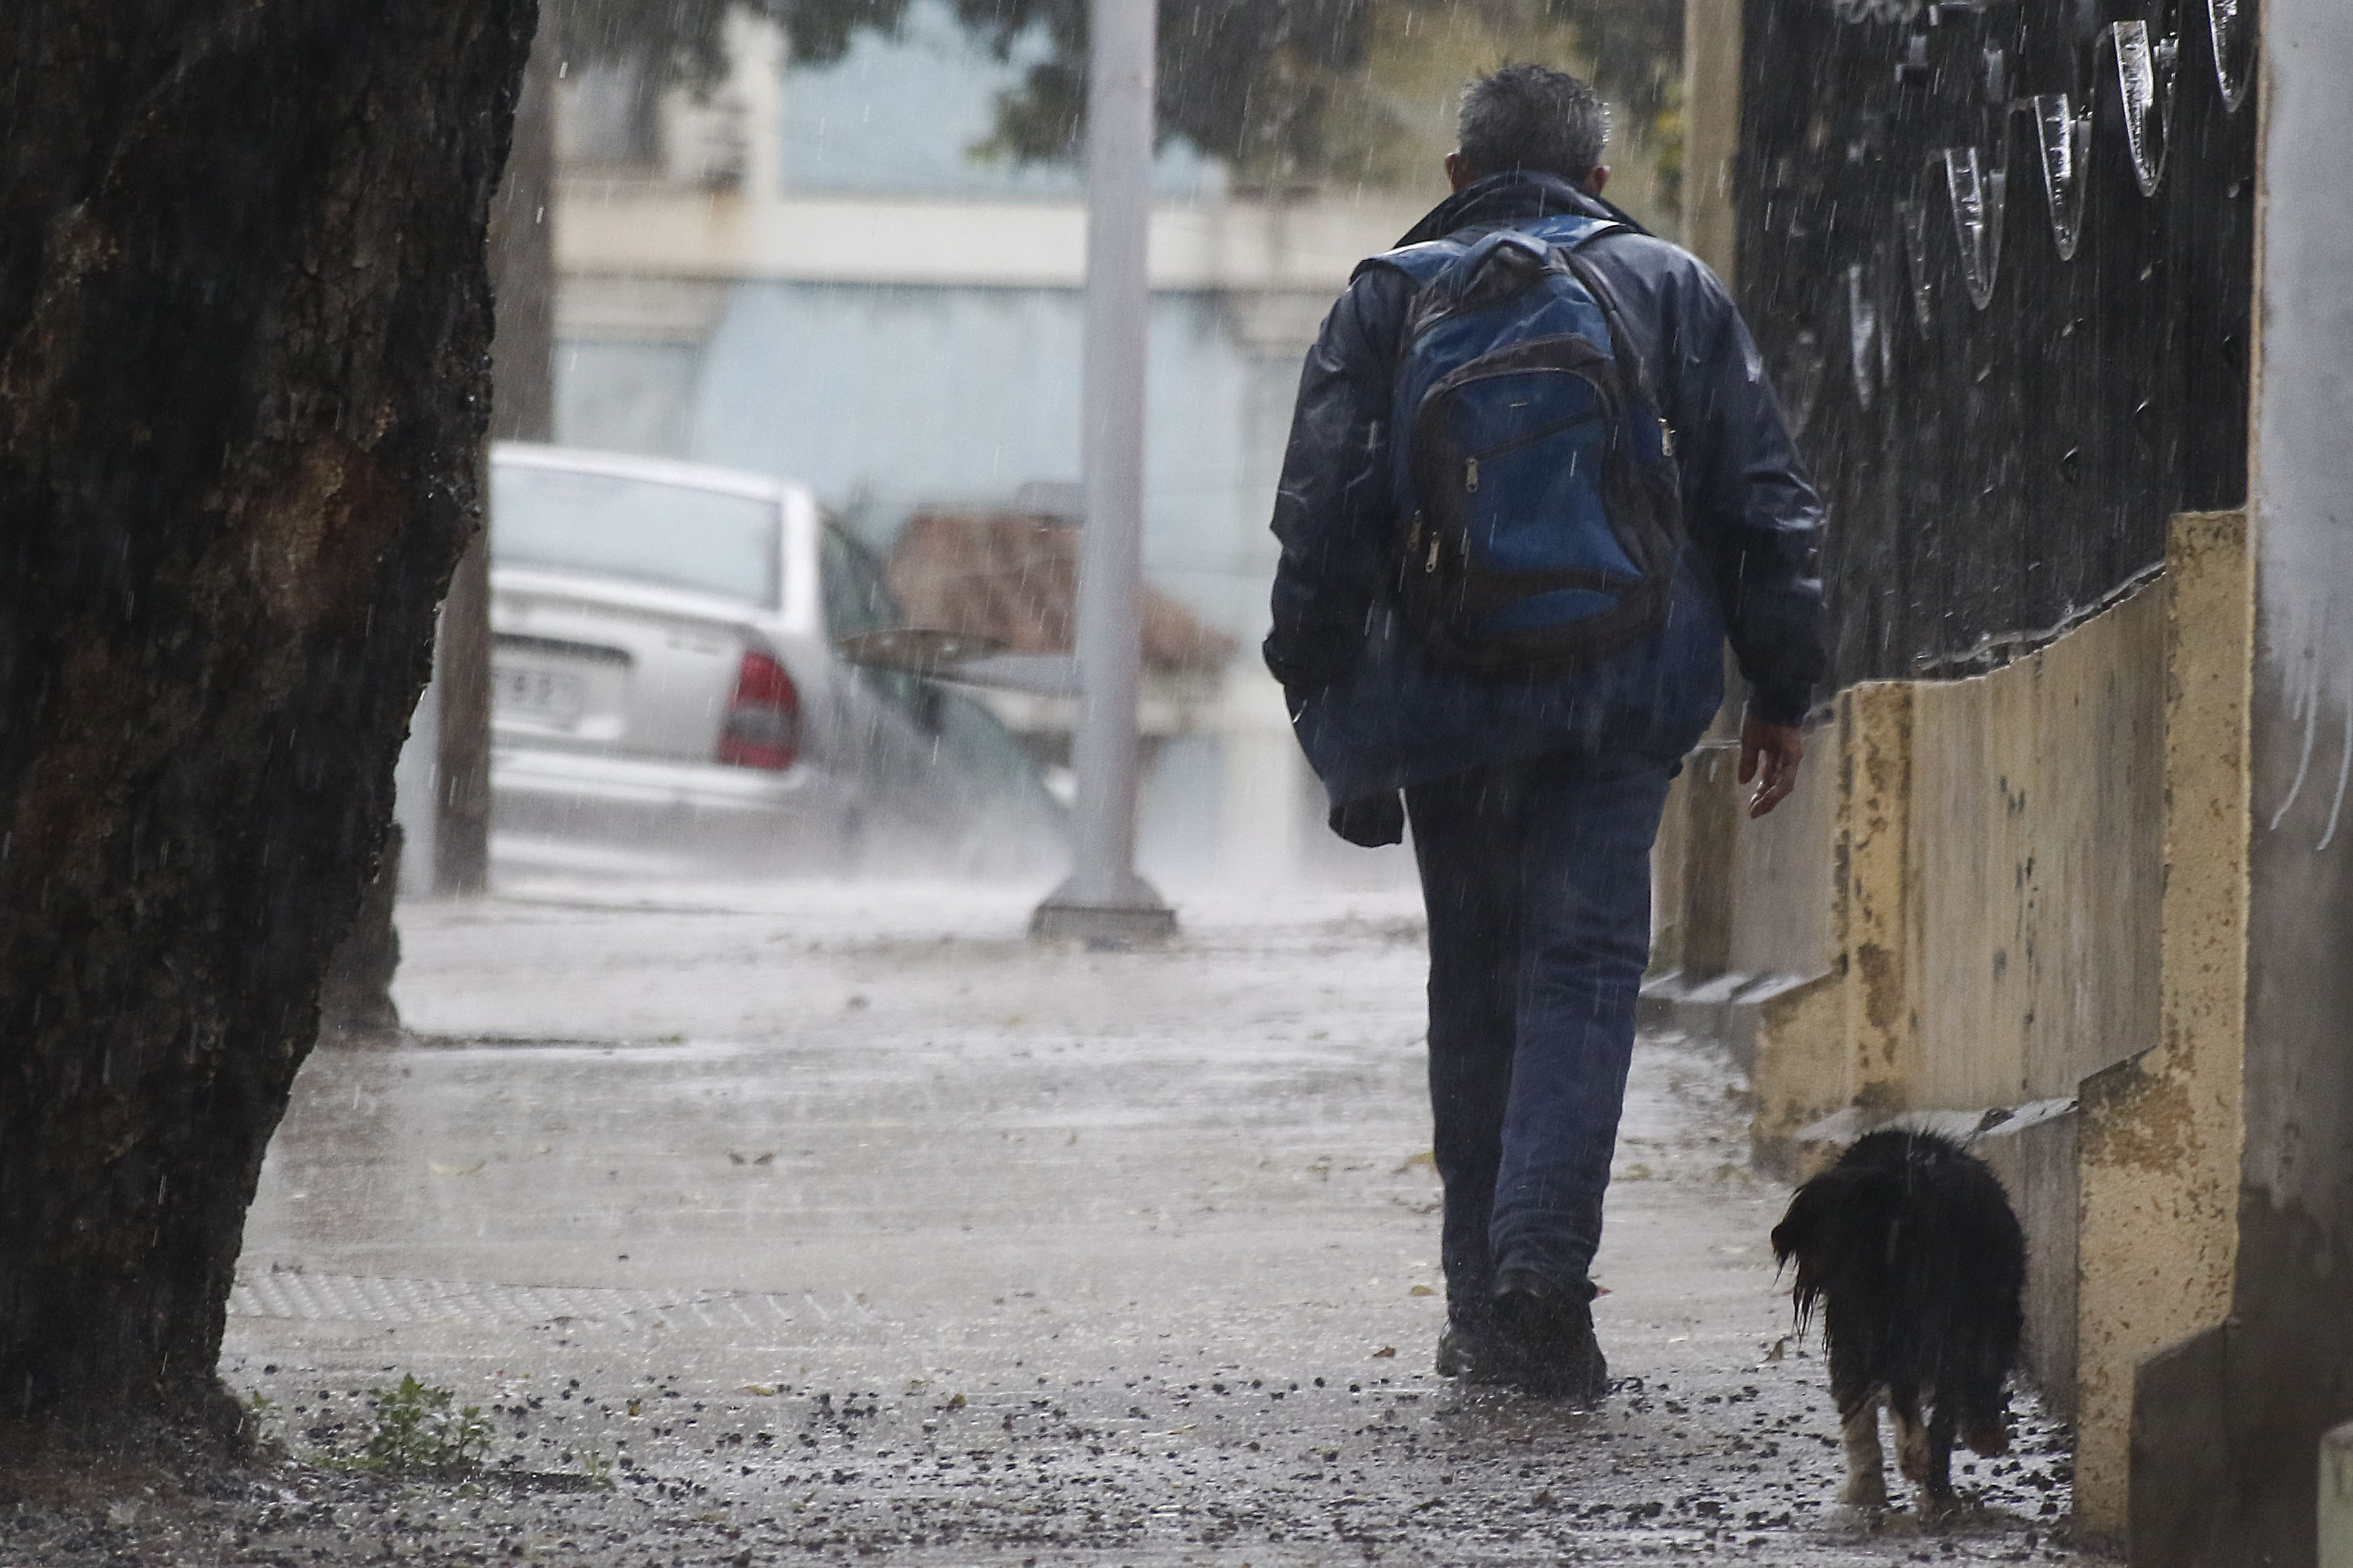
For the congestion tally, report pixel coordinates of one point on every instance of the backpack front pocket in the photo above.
(1521, 453)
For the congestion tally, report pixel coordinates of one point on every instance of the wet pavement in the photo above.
(821, 1224)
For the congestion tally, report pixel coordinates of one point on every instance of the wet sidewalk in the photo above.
(825, 1223)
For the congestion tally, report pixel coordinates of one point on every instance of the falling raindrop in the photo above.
(2066, 139)
(2234, 50)
(1978, 199)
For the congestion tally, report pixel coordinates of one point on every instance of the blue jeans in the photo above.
(1537, 879)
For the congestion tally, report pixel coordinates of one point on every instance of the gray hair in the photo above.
(1526, 117)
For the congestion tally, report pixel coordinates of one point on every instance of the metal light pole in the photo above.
(1105, 900)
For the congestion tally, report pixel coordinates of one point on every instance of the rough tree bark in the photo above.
(244, 325)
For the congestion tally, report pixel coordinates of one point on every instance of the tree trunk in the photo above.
(522, 408)
(244, 327)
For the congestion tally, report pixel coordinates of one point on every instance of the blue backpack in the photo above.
(1539, 507)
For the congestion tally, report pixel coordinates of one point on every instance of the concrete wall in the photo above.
(1978, 866)
(2036, 795)
(1965, 911)
(2219, 1172)
(2290, 1362)
(2160, 1132)
(2036, 1156)
(1782, 878)
(1764, 908)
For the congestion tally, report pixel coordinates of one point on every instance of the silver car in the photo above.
(666, 695)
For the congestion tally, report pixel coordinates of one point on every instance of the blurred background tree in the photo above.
(1287, 93)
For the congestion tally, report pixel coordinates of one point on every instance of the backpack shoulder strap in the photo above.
(1622, 345)
(1419, 262)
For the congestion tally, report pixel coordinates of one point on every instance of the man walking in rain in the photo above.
(1536, 478)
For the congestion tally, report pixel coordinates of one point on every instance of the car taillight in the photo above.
(763, 718)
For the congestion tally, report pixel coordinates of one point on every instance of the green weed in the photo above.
(595, 1464)
(415, 1432)
(265, 1421)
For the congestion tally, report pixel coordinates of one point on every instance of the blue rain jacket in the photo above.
(1372, 714)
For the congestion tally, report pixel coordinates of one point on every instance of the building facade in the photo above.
(812, 274)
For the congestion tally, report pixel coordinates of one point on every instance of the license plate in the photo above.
(541, 696)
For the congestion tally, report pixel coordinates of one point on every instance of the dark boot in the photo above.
(1475, 1358)
(1548, 1343)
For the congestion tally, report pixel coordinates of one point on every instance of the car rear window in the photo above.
(639, 530)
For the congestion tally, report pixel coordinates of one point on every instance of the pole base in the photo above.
(1145, 922)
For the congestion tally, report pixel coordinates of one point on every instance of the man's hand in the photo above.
(1769, 753)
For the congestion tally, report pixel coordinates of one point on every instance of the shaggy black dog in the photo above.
(1909, 1249)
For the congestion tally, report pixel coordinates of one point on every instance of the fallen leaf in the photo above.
(763, 1389)
(1421, 1291)
(1384, 1350)
(441, 1170)
(956, 1402)
(1427, 1158)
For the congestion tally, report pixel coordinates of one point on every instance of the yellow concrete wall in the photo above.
(2037, 793)
(2033, 885)
(1982, 861)
(1782, 884)
(1881, 905)
(1759, 901)
(2160, 1137)
(1711, 846)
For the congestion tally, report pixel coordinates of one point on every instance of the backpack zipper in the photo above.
(1529, 438)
